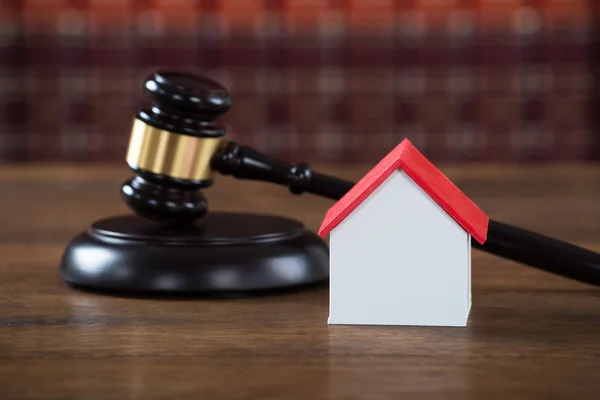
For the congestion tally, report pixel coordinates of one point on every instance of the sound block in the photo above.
(223, 252)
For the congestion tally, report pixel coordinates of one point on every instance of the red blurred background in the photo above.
(316, 80)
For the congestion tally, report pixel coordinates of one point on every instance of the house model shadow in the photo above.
(400, 246)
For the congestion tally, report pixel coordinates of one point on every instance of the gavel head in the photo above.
(171, 146)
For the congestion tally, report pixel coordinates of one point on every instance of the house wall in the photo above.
(399, 259)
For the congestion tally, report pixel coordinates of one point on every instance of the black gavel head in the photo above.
(171, 146)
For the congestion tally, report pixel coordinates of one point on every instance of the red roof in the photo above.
(407, 158)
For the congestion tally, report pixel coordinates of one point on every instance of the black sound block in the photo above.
(223, 252)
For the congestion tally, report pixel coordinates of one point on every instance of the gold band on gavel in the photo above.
(171, 154)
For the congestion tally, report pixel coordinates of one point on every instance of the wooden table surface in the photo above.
(530, 334)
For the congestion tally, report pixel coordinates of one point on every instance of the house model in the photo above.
(400, 246)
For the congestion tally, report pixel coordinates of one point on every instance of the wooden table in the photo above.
(530, 335)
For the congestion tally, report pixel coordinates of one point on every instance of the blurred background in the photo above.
(317, 80)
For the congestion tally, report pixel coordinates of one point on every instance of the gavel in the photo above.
(177, 146)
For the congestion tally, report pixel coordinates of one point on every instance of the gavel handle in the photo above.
(244, 162)
(503, 240)
(541, 252)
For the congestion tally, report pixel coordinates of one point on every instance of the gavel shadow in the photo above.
(523, 312)
(220, 295)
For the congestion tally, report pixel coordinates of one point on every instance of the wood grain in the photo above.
(530, 335)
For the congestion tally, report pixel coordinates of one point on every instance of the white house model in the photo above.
(400, 246)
